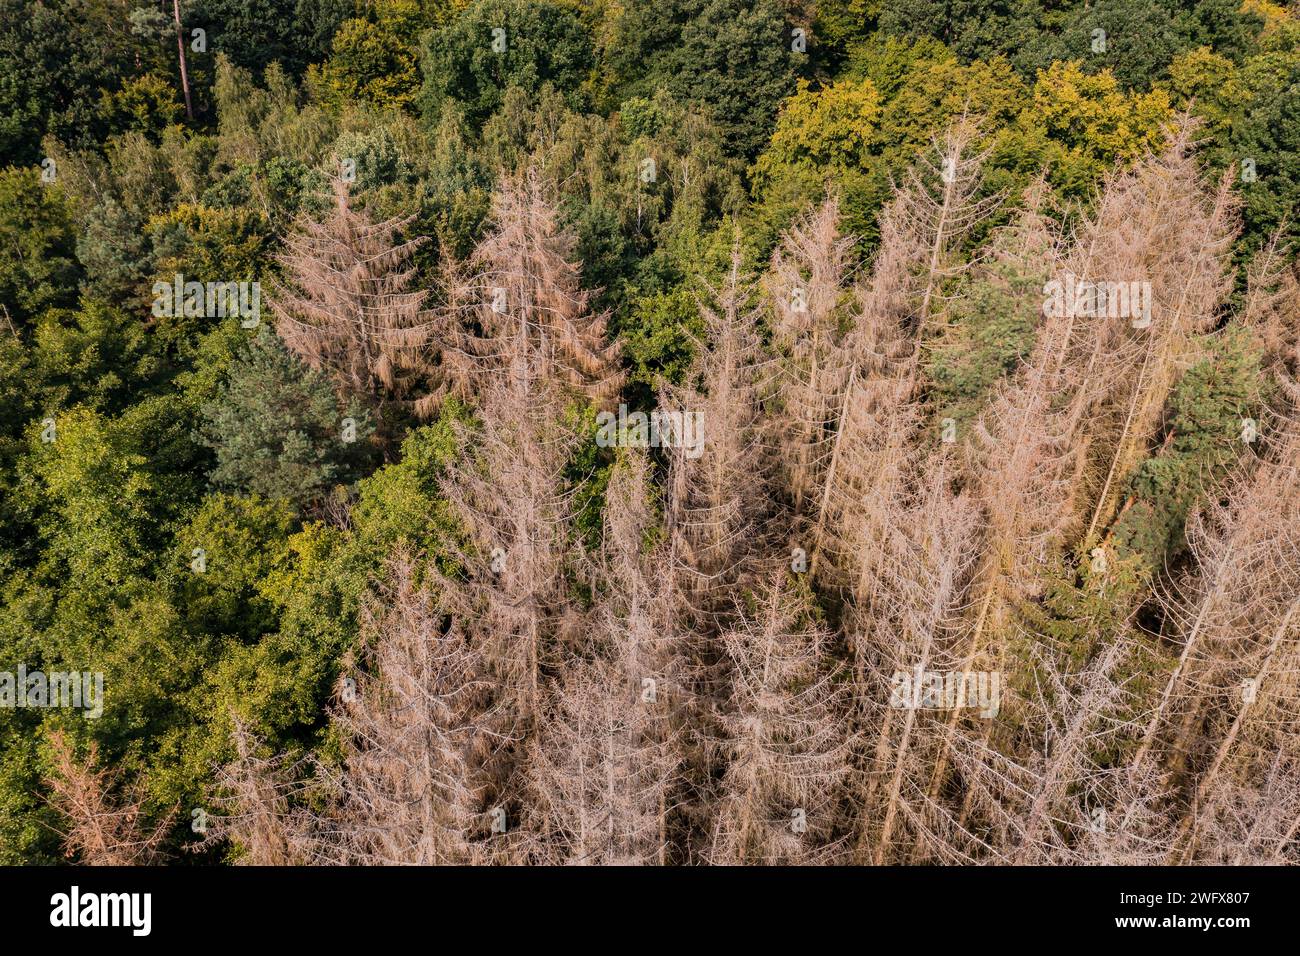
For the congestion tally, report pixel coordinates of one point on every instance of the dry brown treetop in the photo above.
(519, 302)
(346, 306)
(106, 824)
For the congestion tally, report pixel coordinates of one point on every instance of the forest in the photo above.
(709, 432)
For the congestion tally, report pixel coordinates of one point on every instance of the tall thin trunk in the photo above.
(180, 50)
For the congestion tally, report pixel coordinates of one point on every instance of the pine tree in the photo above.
(278, 429)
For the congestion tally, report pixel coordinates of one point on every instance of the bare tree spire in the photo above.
(520, 302)
(345, 307)
(786, 736)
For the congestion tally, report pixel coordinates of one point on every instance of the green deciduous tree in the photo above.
(37, 264)
(496, 44)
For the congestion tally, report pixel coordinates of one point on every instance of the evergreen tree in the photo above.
(279, 431)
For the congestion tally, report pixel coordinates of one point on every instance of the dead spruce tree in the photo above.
(1239, 703)
(718, 489)
(910, 624)
(1215, 725)
(637, 601)
(522, 283)
(1071, 717)
(1021, 467)
(921, 233)
(786, 738)
(939, 202)
(873, 426)
(514, 503)
(878, 424)
(1271, 310)
(1149, 272)
(717, 509)
(421, 730)
(1252, 814)
(262, 808)
(345, 307)
(599, 774)
(806, 291)
(1113, 367)
(604, 768)
(106, 824)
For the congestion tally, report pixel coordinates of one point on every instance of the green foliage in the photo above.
(255, 33)
(145, 105)
(543, 43)
(1081, 123)
(1250, 113)
(659, 335)
(973, 29)
(588, 476)
(734, 59)
(829, 128)
(115, 253)
(242, 540)
(1138, 39)
(96, 356)
(991, 331)
(372, 65)
(37, 268)
(837, 24)
(730, 58)
(57, 57)
(1213, 414)
(279, 685)
(379, 161)
(202, 244)
(102, 489)
(278, 430)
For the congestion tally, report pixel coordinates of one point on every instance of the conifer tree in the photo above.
(1161, 225)
(909, 625)
(262, 804)
(106, 824)
(345, 306)
(717, 499)
(604, 772)
(511, 497)
(806, 289)
(521, 292)
(420, 729)
(278, 429)
(786, 740)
